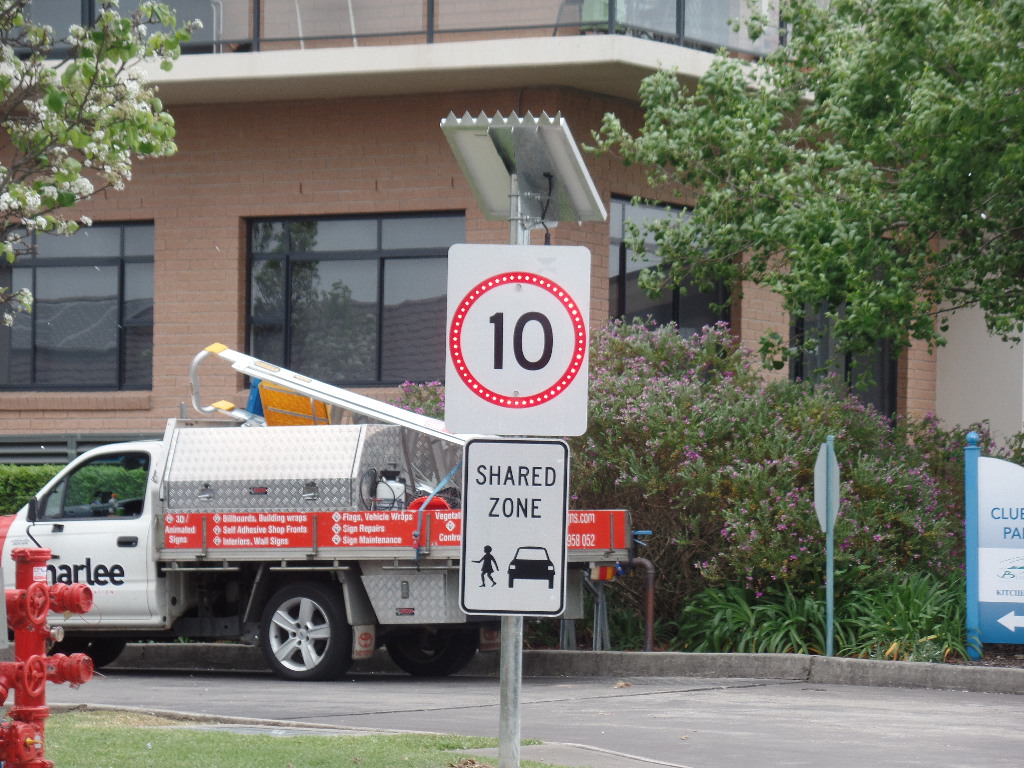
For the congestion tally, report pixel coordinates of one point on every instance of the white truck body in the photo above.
(280, 534)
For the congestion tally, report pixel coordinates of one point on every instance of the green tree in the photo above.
(869, 167)
(75, 111)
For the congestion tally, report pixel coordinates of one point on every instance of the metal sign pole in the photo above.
(559, 189)
(541, 533)
(511, 663)
(511, 688)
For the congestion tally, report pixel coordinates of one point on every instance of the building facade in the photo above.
(307, 214)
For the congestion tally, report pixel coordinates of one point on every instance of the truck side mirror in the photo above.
(33, 509)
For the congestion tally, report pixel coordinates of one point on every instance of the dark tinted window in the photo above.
(91, 326)
(690, 309)
(352, 300)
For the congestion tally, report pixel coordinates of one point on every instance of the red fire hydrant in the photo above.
(28, 605)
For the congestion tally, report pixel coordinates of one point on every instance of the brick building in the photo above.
(306, 216)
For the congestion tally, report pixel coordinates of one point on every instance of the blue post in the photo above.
(971, 454)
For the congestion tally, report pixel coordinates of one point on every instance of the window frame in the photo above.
(54, 505)
(617, 294)
(800, 368)
(379, 256)
(34, 262)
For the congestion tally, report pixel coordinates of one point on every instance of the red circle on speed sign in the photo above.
(515, 399)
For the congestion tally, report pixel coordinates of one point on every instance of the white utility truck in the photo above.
(317, 522)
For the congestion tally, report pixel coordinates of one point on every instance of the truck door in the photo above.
(94, 523)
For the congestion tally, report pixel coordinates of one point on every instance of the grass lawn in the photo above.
(115, 739)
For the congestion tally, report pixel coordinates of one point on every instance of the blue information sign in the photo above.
(995, 547)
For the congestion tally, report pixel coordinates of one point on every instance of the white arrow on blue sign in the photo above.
(999, 574)
(1012, 621)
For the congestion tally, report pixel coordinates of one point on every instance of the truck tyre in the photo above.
(304, 634)
(102, 650)
(432, 652)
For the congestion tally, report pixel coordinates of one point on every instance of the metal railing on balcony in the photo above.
(255, 25)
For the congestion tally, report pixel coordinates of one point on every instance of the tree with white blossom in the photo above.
(75, 111)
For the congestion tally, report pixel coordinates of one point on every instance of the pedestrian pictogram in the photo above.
(488, 567)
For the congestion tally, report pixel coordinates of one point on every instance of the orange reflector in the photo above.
(286, 407)
(602, 573)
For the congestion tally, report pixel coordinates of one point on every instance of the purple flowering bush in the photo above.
(426, 399)
(719, 464)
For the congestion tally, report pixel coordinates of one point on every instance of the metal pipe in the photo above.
(648, 566)
(193, 380)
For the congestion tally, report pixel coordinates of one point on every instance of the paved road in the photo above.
(677, 721)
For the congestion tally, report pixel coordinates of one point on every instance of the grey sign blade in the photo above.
(820, 483)
(832, 506)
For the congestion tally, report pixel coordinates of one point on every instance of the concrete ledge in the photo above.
(181, 656)
(625, 664)
(915, 674)
(778, 666)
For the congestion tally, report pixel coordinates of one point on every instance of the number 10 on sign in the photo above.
(517, 339)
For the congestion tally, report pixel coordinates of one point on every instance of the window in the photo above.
(690, 309)
(61, 15)
(91, 326)
(58, 14)
(352, 301)
(871, 377)
(111, 486)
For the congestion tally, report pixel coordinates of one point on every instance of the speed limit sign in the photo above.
(517, 337)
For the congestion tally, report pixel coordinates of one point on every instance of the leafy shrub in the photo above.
(660, 406)
(732, 619)
(426, 399)
(719, 464)
(917, 617)
(19, 483)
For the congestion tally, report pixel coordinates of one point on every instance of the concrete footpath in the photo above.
(772, 666)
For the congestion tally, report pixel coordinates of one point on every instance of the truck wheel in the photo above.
(102, 650)
(304, 634)
(431, 652)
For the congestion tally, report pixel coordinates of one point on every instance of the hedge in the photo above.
(18, 484)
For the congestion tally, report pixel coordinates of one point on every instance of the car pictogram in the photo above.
(531, 563)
